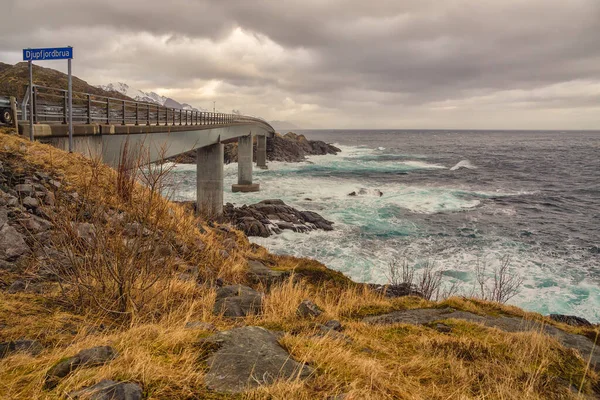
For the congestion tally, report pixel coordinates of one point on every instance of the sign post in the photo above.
(54, 53)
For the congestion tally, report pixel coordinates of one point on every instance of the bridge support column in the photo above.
(245, 167)
(209, 173)
(261, 152)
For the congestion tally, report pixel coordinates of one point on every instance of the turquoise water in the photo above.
(443, 208)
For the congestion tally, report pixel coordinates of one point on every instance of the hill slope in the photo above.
(15, 78)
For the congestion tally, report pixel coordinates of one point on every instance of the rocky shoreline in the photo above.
(290, 147)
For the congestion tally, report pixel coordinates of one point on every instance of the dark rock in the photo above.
(260, 273)
(30, 347)
(237, 301)
(89, 357)
(271, 216)
(443, 328)
(109, 390)
(17, 286)
(333, 324)
(25, 189)
(308, 309)
(352, 194)
(30, 203)
(392, 291)
(571, 320)
(205, 326)
(249, 357)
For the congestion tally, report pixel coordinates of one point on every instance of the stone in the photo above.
(54, 184)
(260, 273)
(136, 229)
(31, 347)
(12, 243)
(89, 357)
(249, 357)
(308, 309)
(393, 291)
(443, 328)
(237, 301)
(17, 286)
(49, 199)
(163, 250)
(35, 224)
(204, 326)
(334, 325)
(85, 231)
(425, 316)
(25, 189)
(30, 202)
(109, 390)
(571, 320)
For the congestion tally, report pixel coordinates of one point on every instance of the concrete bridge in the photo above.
(109, 128)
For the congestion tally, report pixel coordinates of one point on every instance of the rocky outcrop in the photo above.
(572, 320)
(237, 301)
(85, 358)
(249, 357)
(109, 390)
(426, 316)
(273, 216)
(289, 148)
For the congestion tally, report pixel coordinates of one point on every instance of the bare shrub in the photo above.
(502, 285)
(428, 282)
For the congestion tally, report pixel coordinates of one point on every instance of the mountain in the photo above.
(15, 78)
(281, 126)
(148, 97)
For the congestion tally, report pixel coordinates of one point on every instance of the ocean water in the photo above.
(452, 198)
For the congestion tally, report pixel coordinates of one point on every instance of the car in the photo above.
(6, 115)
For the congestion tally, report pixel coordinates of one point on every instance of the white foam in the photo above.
(463, 164)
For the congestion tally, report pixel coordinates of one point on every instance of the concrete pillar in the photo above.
(209, 174)
(245, 166)
(261, 152)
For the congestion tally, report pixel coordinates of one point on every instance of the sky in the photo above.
(423, 64)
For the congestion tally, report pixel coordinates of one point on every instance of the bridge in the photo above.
(105, 126)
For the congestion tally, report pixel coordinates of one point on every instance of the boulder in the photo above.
(571, 320)
(308, 309)
(31, 347)
(109, 390)
(89, 357)
(237, 301)
(260, 273)
(249, 357)
(12, 243)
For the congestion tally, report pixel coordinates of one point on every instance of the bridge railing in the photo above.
(50, 105)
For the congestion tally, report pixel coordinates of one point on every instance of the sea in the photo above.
(452, 200)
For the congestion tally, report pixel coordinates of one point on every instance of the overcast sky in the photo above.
(481, 64)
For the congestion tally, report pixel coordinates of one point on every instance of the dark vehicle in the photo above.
(5, 111)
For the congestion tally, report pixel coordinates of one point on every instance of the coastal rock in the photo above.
(308, 309)
(31, 347)
(571, 320)
(271, 217)
(89, 357)
(237, 301)
(249, 357)
(109, 390)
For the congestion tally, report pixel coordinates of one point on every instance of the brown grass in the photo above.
(155, 349)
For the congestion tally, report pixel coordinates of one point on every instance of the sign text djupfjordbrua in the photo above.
(56, 53)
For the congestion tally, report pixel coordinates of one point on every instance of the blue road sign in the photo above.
(56, 53)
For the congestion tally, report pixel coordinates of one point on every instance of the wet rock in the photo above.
(109, 390)
(204, 326)
(271, 217)
(237, 301)
(571, 320)
(12, 243)
(249, 357)
(308, 309)
(31, 347)
(85, 358)
(260, 273)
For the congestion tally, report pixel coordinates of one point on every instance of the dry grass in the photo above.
(155, 349)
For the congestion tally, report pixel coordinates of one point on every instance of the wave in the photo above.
(463, 164)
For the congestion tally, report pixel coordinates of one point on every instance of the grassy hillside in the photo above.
(15, 78)
(173, 267)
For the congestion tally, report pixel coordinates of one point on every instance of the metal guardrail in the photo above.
(50, 105)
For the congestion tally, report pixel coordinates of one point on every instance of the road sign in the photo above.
(54, 53)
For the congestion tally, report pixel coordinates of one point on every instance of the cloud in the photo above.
(414, 64)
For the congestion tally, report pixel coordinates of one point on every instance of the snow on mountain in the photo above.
(148, 97)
